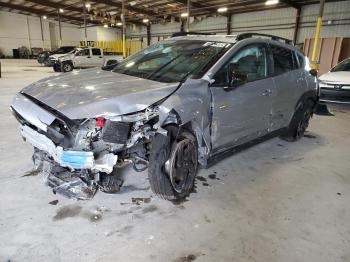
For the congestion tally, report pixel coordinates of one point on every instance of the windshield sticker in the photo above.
(216, 44)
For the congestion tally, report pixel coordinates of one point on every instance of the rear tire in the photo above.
(173, 165)
(66, 66)
(299, 122)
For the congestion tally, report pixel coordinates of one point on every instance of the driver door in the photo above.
(242, 112)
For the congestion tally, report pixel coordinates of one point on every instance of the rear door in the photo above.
(288, 81)
(96, 57)
(243, 113)
(81, 58)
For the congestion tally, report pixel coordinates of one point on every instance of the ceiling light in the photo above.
(184, 15)
(119, 24)
(44, 17)
(145, 20)
(105, 25)
(87, 5)
(61, 10)
(271, 2)
(222, 9)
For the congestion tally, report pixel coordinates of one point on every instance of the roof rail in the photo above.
(273, 37)
(190, 33)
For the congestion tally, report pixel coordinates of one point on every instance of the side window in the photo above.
(250, 61)
(84, 52)
(301, 61)
(96, 51)
(282, 59)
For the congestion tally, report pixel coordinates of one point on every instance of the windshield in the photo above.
(173, 60)
(343, 66)
(63, 50)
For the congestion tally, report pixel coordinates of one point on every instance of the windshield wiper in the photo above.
(163, 66)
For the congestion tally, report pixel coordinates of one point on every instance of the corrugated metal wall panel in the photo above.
(210, 24)
(278, 22)
(334, 12)
(166, 29)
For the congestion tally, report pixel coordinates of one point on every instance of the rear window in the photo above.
(84, 52)
(283, 60)
(96, 51)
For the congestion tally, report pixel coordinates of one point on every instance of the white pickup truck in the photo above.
(84, 58)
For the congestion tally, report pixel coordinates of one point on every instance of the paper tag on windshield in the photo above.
(215, 44)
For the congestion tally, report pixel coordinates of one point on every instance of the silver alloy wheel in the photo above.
(67, 67)
(182, 164)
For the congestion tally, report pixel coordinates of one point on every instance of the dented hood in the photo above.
(90, 93)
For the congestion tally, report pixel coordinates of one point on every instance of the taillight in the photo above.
(100, 122)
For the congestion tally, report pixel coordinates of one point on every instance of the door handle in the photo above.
(267, 92)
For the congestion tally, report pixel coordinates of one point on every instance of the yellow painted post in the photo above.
(314, 63)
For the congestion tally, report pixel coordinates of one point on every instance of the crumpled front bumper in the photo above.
(69, 158)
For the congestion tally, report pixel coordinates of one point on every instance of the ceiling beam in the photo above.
(57, 5)
(41, 13)
(141, 11)
(291, 4)
(197, 5)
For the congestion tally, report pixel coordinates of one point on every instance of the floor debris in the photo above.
(139, 200)
(188, 258)
(202, 179)
(54, 202)
(33, 172)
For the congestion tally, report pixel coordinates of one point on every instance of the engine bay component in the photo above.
(115, 132)
(66, 183)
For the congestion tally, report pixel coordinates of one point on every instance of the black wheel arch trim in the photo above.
(308, 95)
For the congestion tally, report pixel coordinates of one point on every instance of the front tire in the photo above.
(66, 67)
(173, 165)
(299, 122)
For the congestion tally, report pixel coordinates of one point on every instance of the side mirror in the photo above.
(313, 72)
(235, 78)
(110, 65)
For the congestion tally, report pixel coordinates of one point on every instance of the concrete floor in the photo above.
(276, 201)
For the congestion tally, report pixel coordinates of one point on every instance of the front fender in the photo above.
(190, 107)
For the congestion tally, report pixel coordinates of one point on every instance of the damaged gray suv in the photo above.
(171, 107)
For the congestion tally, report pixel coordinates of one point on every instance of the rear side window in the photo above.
(96, 51)
(84, 52)
(282, 59)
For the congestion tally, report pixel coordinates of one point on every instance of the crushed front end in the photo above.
(79, 157)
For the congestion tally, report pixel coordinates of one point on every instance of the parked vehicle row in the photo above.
(43, 57)
(172, 107)
(66, 58)
(83, 58)
(335, 84)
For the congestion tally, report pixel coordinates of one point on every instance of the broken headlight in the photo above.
(128, 129)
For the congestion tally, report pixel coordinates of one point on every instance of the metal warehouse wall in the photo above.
(336, 22)
(277, 21)
(18, 30)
